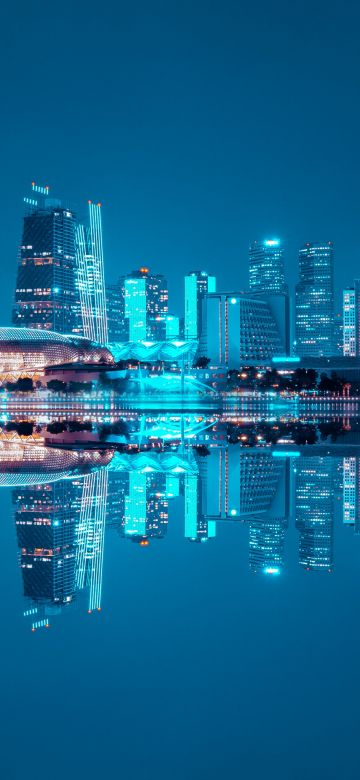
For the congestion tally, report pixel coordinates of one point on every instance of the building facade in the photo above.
(351, 320)
(143, 307)
(240, 328)
(266, 267)
(315, 318)
(197, 284)
(47, 295)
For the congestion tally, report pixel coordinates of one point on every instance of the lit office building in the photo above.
(146, 507)
(46, 516)
(351, 492)
(267, 544)
(240, 328)
(197, 284)
(266, 267)
(144, 302)
(114, 305)
(314, 508)
(315, 317)
(351, 320)
(198, 527)
(47, 293)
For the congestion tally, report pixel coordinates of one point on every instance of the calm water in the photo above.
(206, 625)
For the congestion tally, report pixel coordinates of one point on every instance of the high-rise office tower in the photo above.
(46, 516)
(197, 284)
(314, 507)
(46, 289)
(266, 267)
(90, 276)
(146, 513)
(351, 320)
(315, 301)
(351, 492)
(238, 328)
(144, 301)
(114, 305)
(267, 544)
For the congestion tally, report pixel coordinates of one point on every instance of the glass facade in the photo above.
(314, 507)
(197, 284)
(315, 318)
(240, 328)
(47, 294)
(266, 267)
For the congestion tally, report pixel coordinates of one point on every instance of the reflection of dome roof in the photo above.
(32, 464)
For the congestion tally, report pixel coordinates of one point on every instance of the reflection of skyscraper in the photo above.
(267, 544)
(146, 511)
(351, 492)
(266, 267)
(315, 301)
(314, 505)
(46, 288)
(198, 527)
(197, 284)
(46, 517)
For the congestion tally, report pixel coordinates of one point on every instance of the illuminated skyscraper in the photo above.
(239, 328)
(114, 305)
(46, 289)
(315, 301)
(267, 544)
(197, 284)
(143, 304)
(266, 267)
(146, 511)
(46, 516)
(351, 320)
(351, 492)
(91, 281)
(314, 507)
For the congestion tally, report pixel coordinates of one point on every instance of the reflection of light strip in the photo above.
(285, 454)
(285, 359)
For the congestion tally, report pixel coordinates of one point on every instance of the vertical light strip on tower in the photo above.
(85, 284)
(99, 305)
(91, 279)
(91, 534)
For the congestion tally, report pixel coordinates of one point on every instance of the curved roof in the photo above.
(35, 334)
(153, 350)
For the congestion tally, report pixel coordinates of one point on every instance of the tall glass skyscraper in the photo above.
(315, 506)
(315, 319)
(46, 289)
(266, 267)
(143, 304)
(351, 320)
(197, 284)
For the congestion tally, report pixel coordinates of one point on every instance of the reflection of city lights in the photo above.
(272, 570)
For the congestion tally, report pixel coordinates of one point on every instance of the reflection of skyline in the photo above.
(61, 526)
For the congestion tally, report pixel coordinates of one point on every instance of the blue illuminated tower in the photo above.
(143, 299)
(351, 320)
(315, 317)
(91, 280)
(314, 504)
(46, 293)
(197, 284)
(266, 267)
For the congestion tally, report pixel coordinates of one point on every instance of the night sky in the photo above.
(199, 125)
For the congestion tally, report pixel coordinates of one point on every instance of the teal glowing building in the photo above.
(143, 308)
(197, 284)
